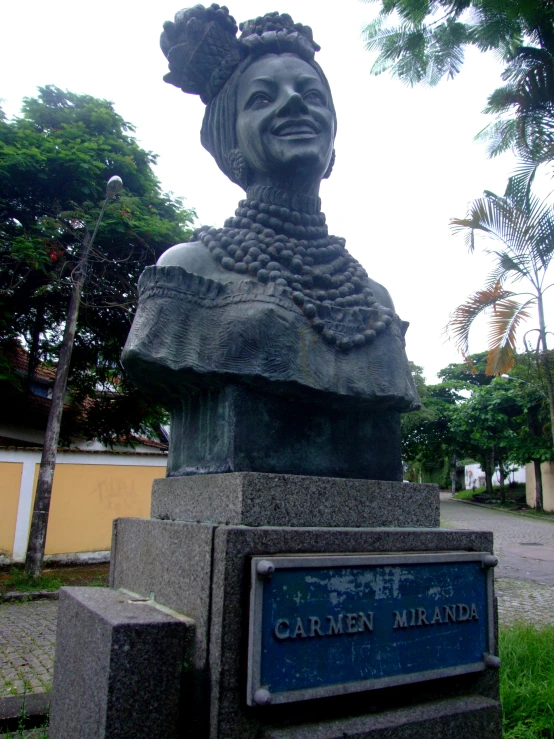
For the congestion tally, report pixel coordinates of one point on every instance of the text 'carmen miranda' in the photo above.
(355, 623)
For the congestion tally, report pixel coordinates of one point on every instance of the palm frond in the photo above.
(446, 51)
(462, 318)
(520, 183)
(499, 136)
(512, 268)
(507, 317)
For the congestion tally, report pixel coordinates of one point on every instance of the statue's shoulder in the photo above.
(192, 256)
(381, 294)
(196, 259)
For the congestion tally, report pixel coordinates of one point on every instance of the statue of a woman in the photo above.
(266, 339)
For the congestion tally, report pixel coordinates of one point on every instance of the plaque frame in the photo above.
(262, 568)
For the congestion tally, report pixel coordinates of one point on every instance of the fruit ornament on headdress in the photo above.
(275, 236)
(203, 50)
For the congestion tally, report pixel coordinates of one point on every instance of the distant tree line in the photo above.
(499, 422)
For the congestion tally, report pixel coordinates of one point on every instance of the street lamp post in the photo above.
(41, 509)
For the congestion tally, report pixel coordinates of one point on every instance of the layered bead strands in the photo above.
(272, 242)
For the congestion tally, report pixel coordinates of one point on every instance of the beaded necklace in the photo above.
(279, 237)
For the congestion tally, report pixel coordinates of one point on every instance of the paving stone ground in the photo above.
(27, 640)
(524, 601)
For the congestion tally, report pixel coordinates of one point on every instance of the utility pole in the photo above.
(43, 495)
(453, 471)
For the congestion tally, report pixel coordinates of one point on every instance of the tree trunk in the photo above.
(489, 471)
(544, 360)
(502, 477)
(538, 484)
(39, 522)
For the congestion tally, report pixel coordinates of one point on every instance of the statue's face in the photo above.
(285, 126)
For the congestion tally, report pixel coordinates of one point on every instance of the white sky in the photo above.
(406, 159)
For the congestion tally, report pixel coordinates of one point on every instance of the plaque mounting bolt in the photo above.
(262, 697)
(491, 660)
(265, 568)
(489, 560)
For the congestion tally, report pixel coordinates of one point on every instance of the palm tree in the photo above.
(522, 228)
(525, 111)
(423, 42)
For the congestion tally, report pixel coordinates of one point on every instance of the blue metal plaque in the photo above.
(331, 624)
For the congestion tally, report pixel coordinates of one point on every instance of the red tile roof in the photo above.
(19, 360)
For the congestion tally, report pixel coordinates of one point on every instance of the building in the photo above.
(92, 484)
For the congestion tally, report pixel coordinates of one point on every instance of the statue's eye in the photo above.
(258, 98)
(314, 96)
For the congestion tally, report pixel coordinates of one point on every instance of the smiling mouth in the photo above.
(296, 129)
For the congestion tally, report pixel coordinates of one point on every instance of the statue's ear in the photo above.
(330, 167)
(239, 167)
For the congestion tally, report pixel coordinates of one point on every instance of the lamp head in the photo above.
(114, 186)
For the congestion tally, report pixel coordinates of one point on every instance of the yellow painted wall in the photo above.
(547, 470)
(87, 497)
(10, 482)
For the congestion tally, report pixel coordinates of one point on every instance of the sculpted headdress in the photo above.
(203, 50)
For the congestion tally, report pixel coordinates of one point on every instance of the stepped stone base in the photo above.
(193, 558)
(201, 570)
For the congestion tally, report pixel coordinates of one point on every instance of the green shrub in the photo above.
(527, 681)
(21, 582)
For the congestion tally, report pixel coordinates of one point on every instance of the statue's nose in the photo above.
(293, 104)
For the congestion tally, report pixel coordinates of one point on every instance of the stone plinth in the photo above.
(458, 717)
(202, 570)
(120, 664)
(258, 499)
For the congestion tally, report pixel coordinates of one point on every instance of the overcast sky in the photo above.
(406, 159)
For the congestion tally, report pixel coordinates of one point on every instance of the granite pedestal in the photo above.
(254, 499)
(198, 565)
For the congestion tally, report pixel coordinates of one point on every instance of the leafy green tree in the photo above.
(427, 442)
(484, 426)
(54, 163)
(422, 41)
(534, 439)
(522, 230)
(471, 415)
(463, 374)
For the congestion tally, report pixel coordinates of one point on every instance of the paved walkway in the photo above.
(524, 546)
(27, 640)
(524, 585)
(525, 549)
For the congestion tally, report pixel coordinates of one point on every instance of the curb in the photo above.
(502, 510)
(36, 707)
(14, 597)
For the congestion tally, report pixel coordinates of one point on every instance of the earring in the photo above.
(239, 167)
(330, 167)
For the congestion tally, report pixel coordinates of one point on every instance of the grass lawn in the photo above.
(527, 681)
(53, 577)
(514, 500)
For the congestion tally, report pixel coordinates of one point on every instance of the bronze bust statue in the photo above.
(266, 339)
